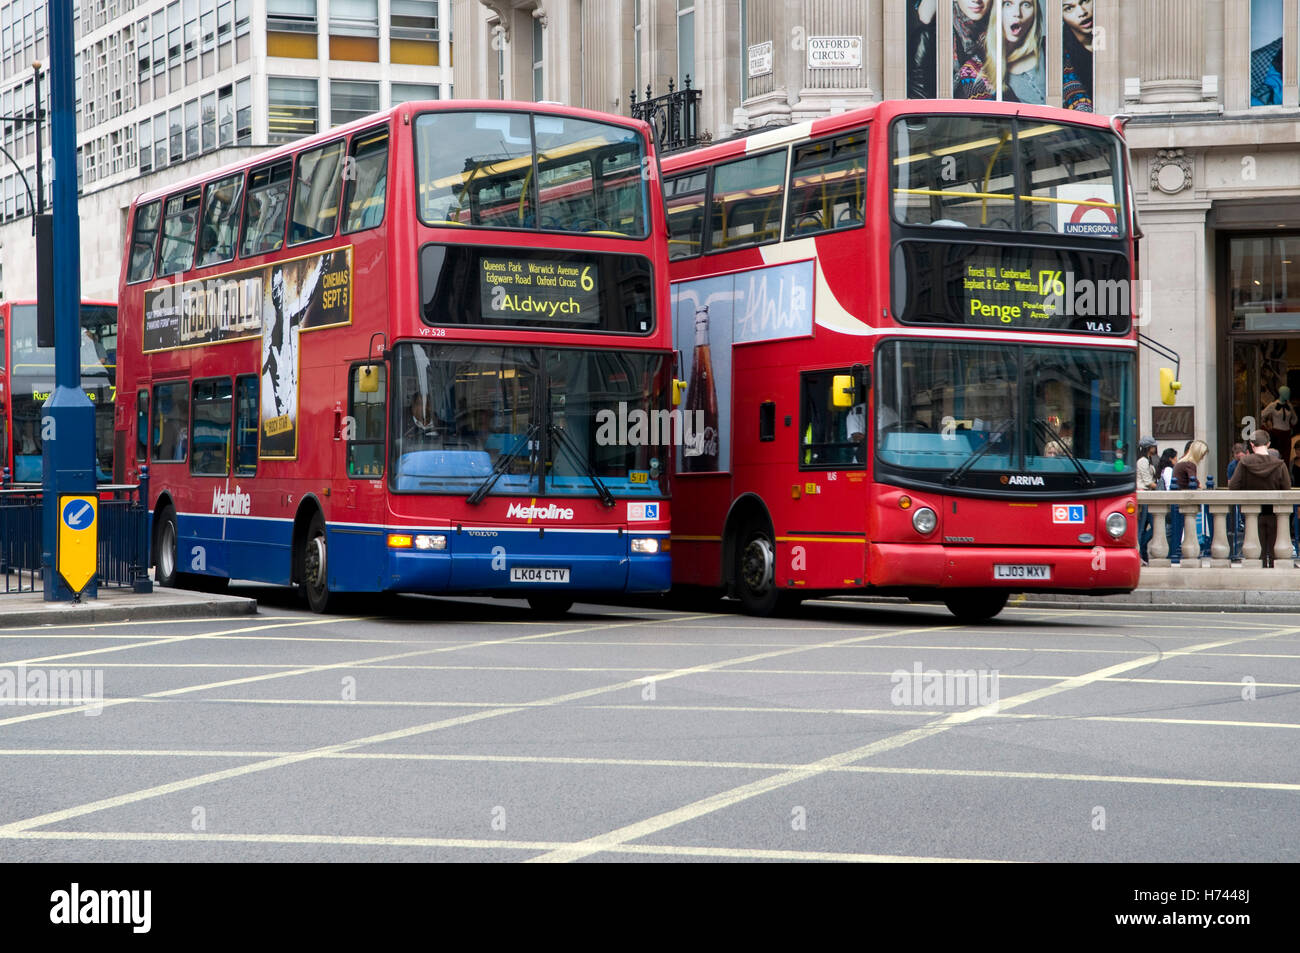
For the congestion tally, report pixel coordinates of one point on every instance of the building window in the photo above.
(685, 41)
(294, 16)
(1266, 48)
(414, 20)
(226, 115)
(291, 108)
(538, 59)
(209, 122)
(354, 17)
(351, 100)
(413, 92)
(191, 128)
(244, 112)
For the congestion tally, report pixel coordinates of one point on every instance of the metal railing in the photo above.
(675, 116)
(1233, 533)
(122, 542)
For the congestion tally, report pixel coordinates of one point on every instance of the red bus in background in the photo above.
(382, 358)
(909, 336)
(27, 380)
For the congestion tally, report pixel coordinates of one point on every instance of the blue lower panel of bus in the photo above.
(359, 560)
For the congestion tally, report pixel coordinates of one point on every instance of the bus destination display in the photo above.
(534, 289)
(1015, 288)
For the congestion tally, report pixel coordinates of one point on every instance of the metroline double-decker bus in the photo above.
(386, 358)
(27, 380)
(910, 344)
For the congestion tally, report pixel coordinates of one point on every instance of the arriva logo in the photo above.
(235, 503)
(1021, 480)
(552, 512)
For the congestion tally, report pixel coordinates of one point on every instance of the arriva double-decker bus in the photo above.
(910, 344)
(27, 380)
(385, 358)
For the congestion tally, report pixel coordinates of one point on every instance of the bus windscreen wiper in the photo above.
(970, 461)
(1056, 438)
(566, 442)
(504, 462)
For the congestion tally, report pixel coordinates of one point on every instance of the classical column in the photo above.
(1172, 44)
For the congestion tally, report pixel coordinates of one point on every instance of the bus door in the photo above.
(823, 542)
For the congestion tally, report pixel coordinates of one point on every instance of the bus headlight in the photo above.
(924, 520)
(645, 544)
(438, 541)
(1117, 525)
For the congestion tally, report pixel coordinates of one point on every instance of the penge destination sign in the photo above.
(539, 289)
(1015, 288)
(315, 289)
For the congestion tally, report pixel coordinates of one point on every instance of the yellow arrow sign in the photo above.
(78, 535)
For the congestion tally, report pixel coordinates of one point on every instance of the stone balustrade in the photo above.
(1221, 503)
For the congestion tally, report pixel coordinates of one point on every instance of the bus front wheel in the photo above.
(756, 575)
(975, 605)
(165, 550)
(315, 567)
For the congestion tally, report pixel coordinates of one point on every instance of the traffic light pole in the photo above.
(68, 417)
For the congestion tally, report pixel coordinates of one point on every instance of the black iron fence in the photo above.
(123, 537)
(675, 116)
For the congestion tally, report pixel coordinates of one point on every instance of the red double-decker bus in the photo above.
(910, 337)
(384, 358)
(27, 380)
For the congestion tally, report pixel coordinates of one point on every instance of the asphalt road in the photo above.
(433, 729)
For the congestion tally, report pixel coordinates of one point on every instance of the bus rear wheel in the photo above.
(315, 567)
(975, 605)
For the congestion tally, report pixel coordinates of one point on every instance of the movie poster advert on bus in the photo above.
(305, 294)
(316, 289)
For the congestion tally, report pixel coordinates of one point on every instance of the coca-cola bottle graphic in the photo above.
(700, 452)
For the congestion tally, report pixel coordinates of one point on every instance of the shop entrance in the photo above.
(1264, 339)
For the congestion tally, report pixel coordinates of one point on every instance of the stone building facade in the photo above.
(1210, 86)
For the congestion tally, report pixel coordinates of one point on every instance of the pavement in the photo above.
(1161, 590)
(120, 605)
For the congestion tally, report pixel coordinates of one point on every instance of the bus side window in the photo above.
(171, 422)
(367, 392)
(828, 182)
(246, 405)
(220, 220)
(267, 201)
(684, 197)
(366, 185)
(144, 236)
(829, 437)
(747, 197)
(180, 225)
(316, 193)
(210, 454)
(142, 426)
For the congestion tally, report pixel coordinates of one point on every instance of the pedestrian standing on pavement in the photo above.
(1146, 480)
(1184, 478)
(1260, 471)
(1236, 523)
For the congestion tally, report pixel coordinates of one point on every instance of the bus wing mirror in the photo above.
(678, 386)
(844, 390)
(368, 382)
(1169, 387)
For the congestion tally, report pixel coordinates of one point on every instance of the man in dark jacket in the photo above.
(1259, 471)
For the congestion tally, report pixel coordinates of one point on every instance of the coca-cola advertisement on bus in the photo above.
(711, 315)
(703, 316)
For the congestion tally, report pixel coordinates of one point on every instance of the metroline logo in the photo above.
(533, 512)
(236, 503)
